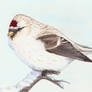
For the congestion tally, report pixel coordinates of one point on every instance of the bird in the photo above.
(42, 47)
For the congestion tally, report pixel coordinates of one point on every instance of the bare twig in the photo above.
(56, 82)
(26, 89)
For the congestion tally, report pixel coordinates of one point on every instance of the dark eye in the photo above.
(13, 23)
(20, 28)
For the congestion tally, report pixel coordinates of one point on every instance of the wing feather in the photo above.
(60, 46)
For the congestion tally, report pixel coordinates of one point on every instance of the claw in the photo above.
(44, 76)
(56, 82)
(65, 81)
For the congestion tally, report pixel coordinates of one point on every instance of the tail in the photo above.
(87, 51)
(87, 59)
(83, 48)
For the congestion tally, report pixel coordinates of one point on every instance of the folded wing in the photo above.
(60, 46)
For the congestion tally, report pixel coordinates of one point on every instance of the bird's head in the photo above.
(18, 25)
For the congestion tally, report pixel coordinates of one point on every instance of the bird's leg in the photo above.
(47, 72)
(41, 76)
(35, 77)
(55, 81)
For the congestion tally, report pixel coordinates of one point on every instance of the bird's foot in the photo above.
(47, 72)
(57, 82)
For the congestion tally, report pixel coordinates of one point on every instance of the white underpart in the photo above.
(33, 53)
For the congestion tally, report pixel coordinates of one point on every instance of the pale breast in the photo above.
(33, 53)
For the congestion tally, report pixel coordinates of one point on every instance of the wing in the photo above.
(60, 46)
(83, 48)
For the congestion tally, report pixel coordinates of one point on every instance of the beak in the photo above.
(10, 33)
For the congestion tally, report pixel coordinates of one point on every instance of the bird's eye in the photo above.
(13, 23)
(20, 28)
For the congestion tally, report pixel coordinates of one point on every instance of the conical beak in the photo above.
(10, 33)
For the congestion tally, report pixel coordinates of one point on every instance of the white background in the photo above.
(74, 16)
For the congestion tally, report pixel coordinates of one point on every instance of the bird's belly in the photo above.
(36, 57)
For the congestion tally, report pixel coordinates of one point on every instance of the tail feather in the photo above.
(83, 48)
(88, 60)
(86, 51)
